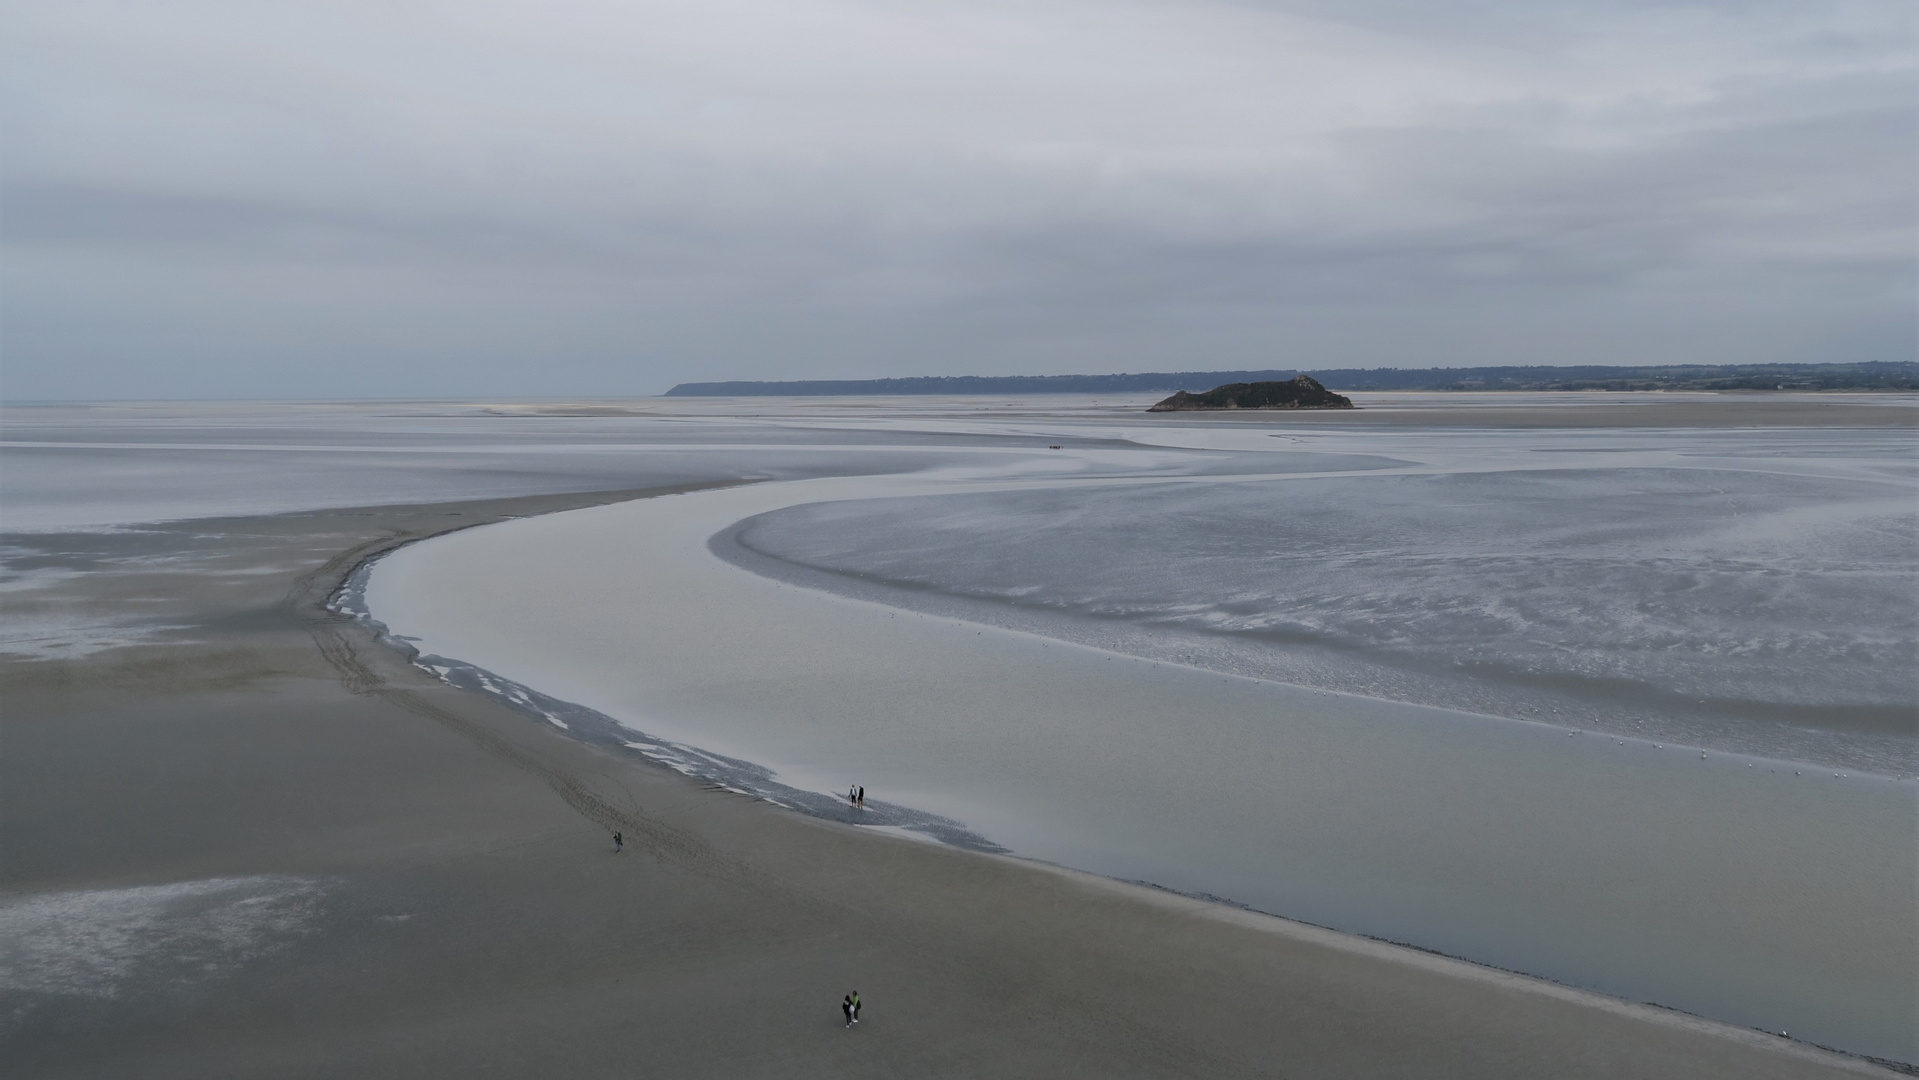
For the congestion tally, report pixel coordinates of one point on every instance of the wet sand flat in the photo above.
(426, 886)
(1601, 862)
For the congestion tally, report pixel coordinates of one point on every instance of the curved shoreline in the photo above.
(1023, 840)
(598, 729)
(337, 597)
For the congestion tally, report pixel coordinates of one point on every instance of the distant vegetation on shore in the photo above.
(1881, 375)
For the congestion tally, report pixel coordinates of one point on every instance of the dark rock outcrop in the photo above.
(1302, 392)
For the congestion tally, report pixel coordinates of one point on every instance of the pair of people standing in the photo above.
(850, 1007)
(856, 795)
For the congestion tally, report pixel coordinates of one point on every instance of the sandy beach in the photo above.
(267, 845)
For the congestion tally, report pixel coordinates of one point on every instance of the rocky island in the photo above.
(1300, 392)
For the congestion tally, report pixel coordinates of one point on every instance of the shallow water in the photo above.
(69, 467)
(1740, 888)
(1745, 590)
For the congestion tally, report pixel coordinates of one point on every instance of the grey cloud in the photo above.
(323, 199)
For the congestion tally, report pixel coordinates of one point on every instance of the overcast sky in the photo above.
(491, 197)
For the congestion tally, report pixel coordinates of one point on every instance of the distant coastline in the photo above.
(1878, 375)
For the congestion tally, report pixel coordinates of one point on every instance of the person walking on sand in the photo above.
(619, 842)
(862, 799)
(846, 1009)
(856, 1006)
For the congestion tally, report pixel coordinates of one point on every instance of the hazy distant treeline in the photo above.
(1870, 376)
